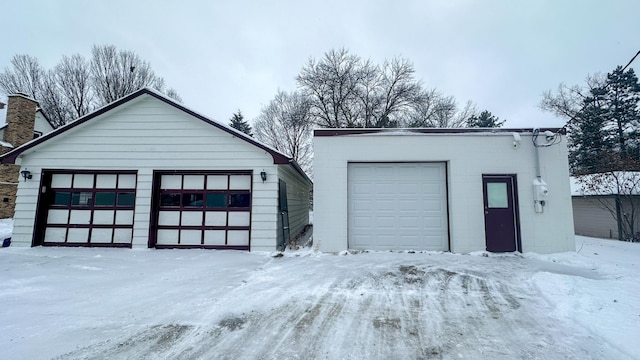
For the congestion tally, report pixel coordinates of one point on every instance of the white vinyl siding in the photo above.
(298, 200)
(592, 217)
(147, 134)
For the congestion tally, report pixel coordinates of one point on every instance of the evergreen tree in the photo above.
(237, 122)
(484, 120)
(605, 133)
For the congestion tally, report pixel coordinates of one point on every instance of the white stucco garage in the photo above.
(145, 171)
(458, 190)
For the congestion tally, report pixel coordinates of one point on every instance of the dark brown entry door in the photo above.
(501, 223)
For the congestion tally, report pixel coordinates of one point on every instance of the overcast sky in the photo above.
(224, 56)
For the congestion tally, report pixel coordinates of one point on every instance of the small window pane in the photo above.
(81, 198)
(106, 181)
(61, 181)
(83, 181)
(240, 200)
(170, 199)
(171, 182)
(192, 199)
(126, 181)
(61, 198)
(105, 198)
(216, 201)
(497, 195)
(126, 199)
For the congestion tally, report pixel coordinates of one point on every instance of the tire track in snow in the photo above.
(416, 310)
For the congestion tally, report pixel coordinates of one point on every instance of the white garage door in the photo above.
(398, 206)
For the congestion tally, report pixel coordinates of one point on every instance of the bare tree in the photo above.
(118, 73)
(73, 80)
(285, 124)
(54, 101)
(26, 76)
(77, 86)
(347, 91)
(332, 84)
(567, 101)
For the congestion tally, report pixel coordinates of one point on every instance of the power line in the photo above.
(630, 61)
(605, 87)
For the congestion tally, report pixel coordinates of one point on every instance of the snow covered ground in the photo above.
(66, 303)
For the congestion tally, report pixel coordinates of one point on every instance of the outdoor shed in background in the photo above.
(458, 190)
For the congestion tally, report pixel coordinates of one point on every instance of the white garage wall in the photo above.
(147, 134)
(468, 156)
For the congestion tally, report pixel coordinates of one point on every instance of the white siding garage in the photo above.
(396, 206)
(144, 171)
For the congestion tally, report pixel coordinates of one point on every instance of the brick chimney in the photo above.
(21, 115)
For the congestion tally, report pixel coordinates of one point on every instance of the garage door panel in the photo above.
(55, 235)
(239, 219)
(385, 189)
(171, 182)
(103, 217)
(408, 221)
(408, 189)
(192, 218)
(122, 235)
(124, 217)
(167, 236)
(190, 237)
(80, 217)
(215, 237)
(106, 181)
(61, 180)
(217, 182)
(168, 218)
(57, 216)
(238, 237)
(102, 236)
(216, 218)
(78, 235)
(83, 181)
(239, 182)
(408, 210)
(126, 181)
(193, 181)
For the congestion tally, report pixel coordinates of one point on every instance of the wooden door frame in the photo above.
(516, 205)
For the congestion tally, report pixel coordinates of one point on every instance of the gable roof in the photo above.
(278, 157)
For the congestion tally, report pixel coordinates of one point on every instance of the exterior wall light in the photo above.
(26, 174)
(263, 176)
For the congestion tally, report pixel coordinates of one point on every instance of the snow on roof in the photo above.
(24, 96)
(6, 144)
